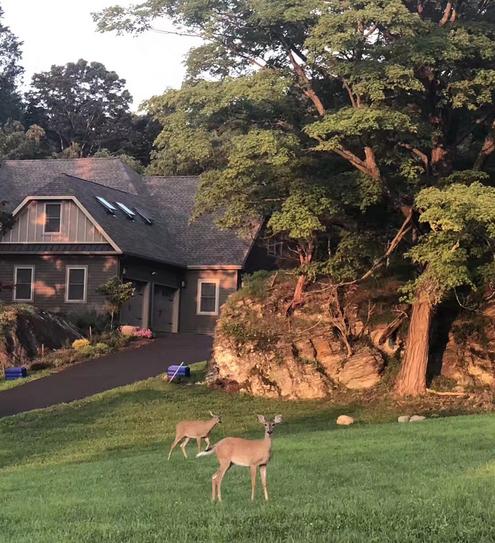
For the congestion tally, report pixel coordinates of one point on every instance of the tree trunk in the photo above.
(411, 380)
(305, 258)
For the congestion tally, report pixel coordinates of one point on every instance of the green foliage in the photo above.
(330, 116)
(17, 143)
(461, 219)
(303, 213)
(255, 285)
(81, 105)
(354, 255)
(117, 293)
(10, 74)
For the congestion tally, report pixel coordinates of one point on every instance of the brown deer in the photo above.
(194, 429)
(243, 452)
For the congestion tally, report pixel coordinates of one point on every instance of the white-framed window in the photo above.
(53, 213)
(76, 284)
(208, 297)
(23, 283)
(274, 247)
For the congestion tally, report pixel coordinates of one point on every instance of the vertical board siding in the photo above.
(49, 279)
(75, 227)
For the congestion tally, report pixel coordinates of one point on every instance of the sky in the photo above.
(61, 31)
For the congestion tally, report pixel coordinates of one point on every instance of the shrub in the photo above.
(83, 320)
(87, 351)
(143, 332)
(102, 348)
(80, 344)
(254, 285)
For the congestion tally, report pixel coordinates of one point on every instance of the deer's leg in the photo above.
(263, 481)
(220, 473)
(174, 444)
(198, 441)
(183, 446)
(207, 439)
(253, 480)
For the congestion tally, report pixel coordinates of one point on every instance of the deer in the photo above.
(194, 429)
(250, 453)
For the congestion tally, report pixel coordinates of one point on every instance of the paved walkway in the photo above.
(114, 370)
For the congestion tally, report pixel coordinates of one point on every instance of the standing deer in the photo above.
(243, 452)
(194, 429)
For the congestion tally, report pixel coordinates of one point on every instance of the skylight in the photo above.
(126, 210)
(107, 205)
(146, 218)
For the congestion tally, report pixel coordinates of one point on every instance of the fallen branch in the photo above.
(438, 393)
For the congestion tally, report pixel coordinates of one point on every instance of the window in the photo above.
(208, 292)
(274, 247)
(52, 218)
(75, 283)
(126, 210)
(107, 205)
(23, 283)
(146, 218)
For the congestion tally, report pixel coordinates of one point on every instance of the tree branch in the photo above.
(446, 14)
(487, 149)
(417, 152)
(306, 85)
(403, 231)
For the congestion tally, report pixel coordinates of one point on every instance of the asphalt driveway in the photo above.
(114, 370)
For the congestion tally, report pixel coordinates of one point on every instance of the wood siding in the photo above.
(75, 227)
(50, 276)
(190, 321)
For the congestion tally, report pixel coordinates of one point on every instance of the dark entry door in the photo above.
(163, 308)
(132, 311)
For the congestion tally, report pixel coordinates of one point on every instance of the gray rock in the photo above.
(417, 418)
(403, 418)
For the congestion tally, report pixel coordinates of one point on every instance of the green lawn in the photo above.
(96, 471)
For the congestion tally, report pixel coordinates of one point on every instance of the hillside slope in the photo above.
(97, 471)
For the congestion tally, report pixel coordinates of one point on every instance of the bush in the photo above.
(254, 285)
(99, 322)
(80, 344)
(87, 351)
(102, 348)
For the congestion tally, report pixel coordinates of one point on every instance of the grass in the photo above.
(32, 376)
(96, 470)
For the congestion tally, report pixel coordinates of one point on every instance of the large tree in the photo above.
(10, 73)
(82, 106)
(399, 91)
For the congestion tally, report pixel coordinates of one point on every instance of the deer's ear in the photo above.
(261, 418)
(277, 419)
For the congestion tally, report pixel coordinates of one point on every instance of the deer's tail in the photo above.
(206, 452)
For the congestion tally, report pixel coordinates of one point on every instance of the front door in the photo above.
(132, 311)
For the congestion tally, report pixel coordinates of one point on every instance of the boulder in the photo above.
(362, 370)
(404, 418)
(417, 418)
(345, 420)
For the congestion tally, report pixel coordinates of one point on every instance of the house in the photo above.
(80, 222)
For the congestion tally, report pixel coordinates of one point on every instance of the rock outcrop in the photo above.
(469, 357)
(25, 331)
(258, 351)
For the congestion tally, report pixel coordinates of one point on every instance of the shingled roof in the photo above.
(171, 239)
(19, 178)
